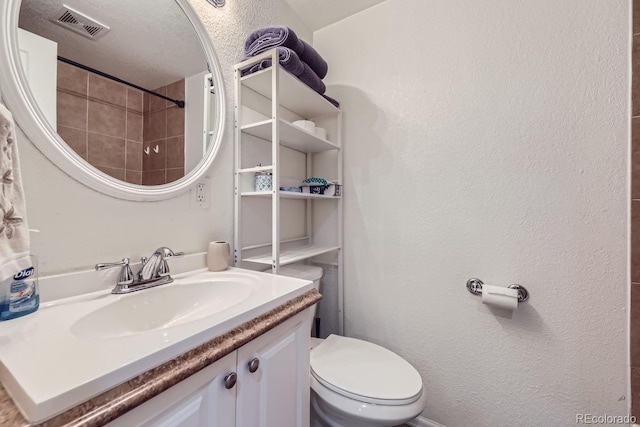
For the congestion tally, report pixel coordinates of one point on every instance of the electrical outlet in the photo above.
(199, 195)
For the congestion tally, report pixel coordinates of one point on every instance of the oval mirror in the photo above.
(125, 97)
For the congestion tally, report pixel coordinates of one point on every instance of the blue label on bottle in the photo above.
(22, 296)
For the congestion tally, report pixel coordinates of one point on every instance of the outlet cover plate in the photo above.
(200, 194)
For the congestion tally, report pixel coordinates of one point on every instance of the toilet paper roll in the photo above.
(307, 125)
(218, 255)
(500, 297)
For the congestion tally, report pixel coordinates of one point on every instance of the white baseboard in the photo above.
(425, 422)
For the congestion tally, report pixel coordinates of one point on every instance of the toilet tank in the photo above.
(303, 271)
(307, 272)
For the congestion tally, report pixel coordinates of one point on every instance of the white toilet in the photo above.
(355, 383)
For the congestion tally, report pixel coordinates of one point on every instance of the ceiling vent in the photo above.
(80, 23)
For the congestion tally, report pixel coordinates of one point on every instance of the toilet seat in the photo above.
(364, 372)
(338, 410)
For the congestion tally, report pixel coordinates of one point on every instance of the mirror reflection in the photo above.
(125, 84)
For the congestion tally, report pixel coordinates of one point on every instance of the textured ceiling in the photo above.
(318, 14)
(150, 44)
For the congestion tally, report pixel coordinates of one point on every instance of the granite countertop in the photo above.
(117, 401)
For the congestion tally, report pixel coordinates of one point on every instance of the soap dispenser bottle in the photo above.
(19, 294)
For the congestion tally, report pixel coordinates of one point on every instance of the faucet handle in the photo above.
(163, 267)
(177, 255)
(166, 253)
(126, 275)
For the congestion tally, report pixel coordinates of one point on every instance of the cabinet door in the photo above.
(277, 393)
(202, 400)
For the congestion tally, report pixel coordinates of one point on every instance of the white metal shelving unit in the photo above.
(266, 104)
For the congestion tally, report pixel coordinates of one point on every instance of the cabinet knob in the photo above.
(230, 380)
(254, 365)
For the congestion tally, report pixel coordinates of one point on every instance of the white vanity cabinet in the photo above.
(271, 387)
(273, 377)
(200, 400)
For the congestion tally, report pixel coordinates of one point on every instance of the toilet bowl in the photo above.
(355, 383)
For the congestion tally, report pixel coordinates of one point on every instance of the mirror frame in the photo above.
(18, 98)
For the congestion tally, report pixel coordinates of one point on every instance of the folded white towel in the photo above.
(14, 232)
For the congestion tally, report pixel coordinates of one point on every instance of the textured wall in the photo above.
(80, 227)
(489, 139)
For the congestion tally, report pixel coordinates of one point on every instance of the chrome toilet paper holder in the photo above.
(475, 287)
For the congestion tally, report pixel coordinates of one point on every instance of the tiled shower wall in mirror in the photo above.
(163, 131)
(121, 131)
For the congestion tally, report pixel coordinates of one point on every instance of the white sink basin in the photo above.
(162, 307)
(95, 341)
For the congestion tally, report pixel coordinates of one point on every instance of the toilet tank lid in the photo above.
(302, 271)
(365, 371)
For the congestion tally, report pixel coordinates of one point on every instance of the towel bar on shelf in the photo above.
(475, 287)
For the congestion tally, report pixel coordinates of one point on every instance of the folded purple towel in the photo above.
(278, 35)
(312, 58)
(267, 38)
(331, 100)
(287, 58)
(292, 63)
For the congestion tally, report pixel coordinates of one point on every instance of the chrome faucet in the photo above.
(154, 271)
